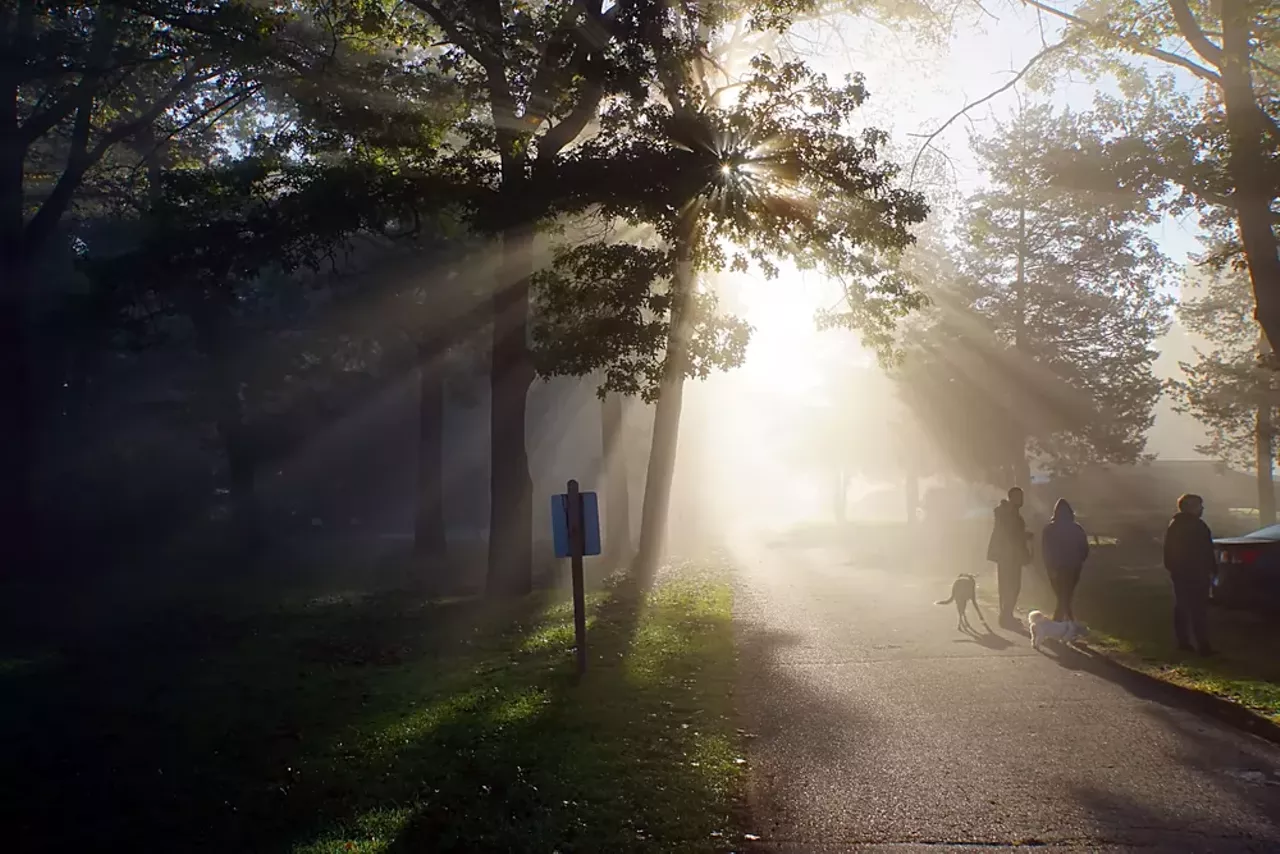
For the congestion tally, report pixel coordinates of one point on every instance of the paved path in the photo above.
(875, 725)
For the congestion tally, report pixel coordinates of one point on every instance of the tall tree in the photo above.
(1226, 388)
(614, 475)
(539, 74)
(1231, 47)
(78, 81)
(1067, 286)
(205, 247)
(746, 172)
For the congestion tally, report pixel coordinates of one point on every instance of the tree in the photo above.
(1226, 388)
(1231, 47)
(536, 75)
(1063, 288)
(97, 99)
(614, 475)
(206, 247)
(539, 75)
(77, 82)
(746, 175)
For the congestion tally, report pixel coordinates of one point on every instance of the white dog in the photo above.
(1042, 628)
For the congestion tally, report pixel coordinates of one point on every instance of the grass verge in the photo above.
(386, 723)
(1129, 614)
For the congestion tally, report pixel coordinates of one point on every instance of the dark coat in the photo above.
(1063, 542)
(1188, 547)
(1008, 543)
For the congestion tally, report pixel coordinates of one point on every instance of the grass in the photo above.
(1129, 614)
(385, 723)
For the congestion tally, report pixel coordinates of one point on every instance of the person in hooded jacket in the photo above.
(1008, 550)
(1065, 548)
(1189, 558)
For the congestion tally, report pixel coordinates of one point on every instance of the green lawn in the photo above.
(1129, 614)
(385, 723)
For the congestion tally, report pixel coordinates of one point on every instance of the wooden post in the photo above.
(577, 545)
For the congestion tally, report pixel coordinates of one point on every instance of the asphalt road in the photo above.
(873, 724)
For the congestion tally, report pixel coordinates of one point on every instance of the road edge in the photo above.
(1219, 708)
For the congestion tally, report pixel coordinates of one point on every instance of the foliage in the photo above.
(771, 176)
(1226, 165)
(1226, 386)
(88, 79)
(1068, 285)
(606, 307)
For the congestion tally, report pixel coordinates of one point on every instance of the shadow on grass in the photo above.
(376, 722)
(638, 756)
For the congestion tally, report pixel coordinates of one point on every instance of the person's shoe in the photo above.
(1186, 647)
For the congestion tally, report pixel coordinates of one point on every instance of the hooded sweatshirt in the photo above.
(1063, 542)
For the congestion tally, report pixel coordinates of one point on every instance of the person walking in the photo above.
(1065, 548)
(1189, 559)
(1008, 550)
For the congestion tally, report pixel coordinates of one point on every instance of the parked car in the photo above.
(1248, 571)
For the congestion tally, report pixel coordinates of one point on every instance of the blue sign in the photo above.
(590, 522)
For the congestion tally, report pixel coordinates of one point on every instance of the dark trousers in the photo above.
(1191, 609)
(1064, 583)
(1009, 582)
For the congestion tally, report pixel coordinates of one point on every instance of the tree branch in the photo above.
(541, 98)
(929, 138)
(1130, 42)
(567, 129)
(455, 34)
(81, 158)
(1190, 29)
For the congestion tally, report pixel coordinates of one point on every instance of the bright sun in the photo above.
(787, 355)
(740, 427)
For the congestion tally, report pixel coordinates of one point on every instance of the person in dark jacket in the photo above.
(1189, 558)
(1065, 548)
(1008, 550)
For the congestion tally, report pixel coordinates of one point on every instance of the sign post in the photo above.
(577, 545)
(575, 533)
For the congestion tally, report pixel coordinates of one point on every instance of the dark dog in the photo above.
(963, 591)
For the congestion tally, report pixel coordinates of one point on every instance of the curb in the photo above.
(1213, 706)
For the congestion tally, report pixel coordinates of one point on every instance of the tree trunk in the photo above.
(510, 570)
(429, 529)
(211, 316)
(840, 496)
(18, 538)
(1247, 166)
(666, 420)
(617, 494)
(242, 469)
(912, 491)
(1265, 459)
(1018, 445)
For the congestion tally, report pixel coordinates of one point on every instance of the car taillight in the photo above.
(1242, 557)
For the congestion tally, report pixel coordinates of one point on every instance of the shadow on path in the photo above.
(1143, 686)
